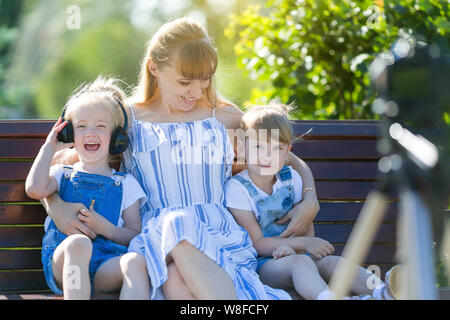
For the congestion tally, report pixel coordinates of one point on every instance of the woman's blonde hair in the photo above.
(102, 91)
(196, 57)
(270, 117)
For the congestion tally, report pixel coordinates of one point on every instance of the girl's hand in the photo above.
(283, 251)
(317, 247)
(96, 222)
(52, 138)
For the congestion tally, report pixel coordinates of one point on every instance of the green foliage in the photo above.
(112, 48)
(316, 53)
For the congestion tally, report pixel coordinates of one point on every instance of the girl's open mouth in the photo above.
(92, 146)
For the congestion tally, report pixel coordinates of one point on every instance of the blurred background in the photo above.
(313, 53)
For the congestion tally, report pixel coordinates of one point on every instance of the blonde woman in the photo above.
(181, 154)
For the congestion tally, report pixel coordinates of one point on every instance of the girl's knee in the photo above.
(78, 245)
(330, 261)
(133, 263)
(301, 260)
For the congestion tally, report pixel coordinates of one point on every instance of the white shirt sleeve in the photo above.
(132, 192)
(237, 196)
(297, 183)
(57, 172)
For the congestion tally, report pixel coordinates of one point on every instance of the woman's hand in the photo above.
(64, 215)
(317, 247)
(283, 251)
(300, 218)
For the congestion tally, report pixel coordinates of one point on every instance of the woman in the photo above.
(181, 154)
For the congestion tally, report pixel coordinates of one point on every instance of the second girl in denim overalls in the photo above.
(264, 193)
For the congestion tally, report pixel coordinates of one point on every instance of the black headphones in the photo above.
(119, 137)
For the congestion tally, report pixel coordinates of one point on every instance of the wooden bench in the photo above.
(341, 154)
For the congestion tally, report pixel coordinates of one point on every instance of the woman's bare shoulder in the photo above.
(230, 115)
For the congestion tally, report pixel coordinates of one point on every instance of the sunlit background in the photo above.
(45, 55)
(314, 53)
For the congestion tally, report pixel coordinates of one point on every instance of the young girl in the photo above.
(264, 193)
(95, 124)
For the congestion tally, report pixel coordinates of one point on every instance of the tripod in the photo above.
(413, 77)
(415, 239)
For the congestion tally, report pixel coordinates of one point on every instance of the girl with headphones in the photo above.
(94, 122)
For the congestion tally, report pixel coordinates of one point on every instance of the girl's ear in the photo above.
(289, 147)
(152, 67)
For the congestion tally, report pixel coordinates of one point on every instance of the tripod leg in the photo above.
(446, 247)
(358, 244)
(416, 243)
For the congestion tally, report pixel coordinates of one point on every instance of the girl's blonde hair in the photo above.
(272, 116)
(196, 57)
(102, 91)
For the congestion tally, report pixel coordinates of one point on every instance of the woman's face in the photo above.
(180, 93)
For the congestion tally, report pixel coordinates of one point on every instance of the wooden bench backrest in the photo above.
(341, 154)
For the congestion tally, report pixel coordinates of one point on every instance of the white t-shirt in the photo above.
(237, 196)
(131, 191)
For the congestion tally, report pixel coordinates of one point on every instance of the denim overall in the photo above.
(82, 187)
(272, 207)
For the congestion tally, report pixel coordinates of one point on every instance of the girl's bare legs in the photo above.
(127, 273)
(175, 288)
(70, 265)
(327, 266)
(203, 276)
(298, 271)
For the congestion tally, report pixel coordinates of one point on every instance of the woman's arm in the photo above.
(265, 246)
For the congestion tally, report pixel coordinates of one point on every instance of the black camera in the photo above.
(413, 82)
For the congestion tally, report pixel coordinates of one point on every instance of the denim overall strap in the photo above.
(248, 185)
(118, 177)
(276, 206)
(286, 176)
(285, 173)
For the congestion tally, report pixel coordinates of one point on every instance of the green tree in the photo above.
(9, 16)
(316, 53)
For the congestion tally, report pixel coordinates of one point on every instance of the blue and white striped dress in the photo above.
(183, 167)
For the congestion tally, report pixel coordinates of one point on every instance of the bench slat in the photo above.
(326, 190)
(341, 232)
(348, 211)
(336, 149)
(329, 212)
(307, 149)
(11, 237)
(328, 170)
(14, 170)
(23, 280)
(20, 259)
(322, 128)
(28, 237)
(25, 128)
(20, 148)
(22, 214)
(338, 129)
